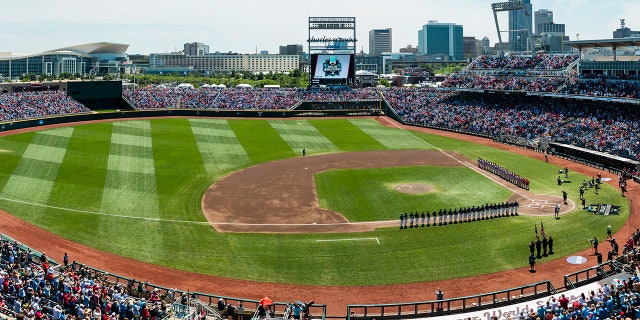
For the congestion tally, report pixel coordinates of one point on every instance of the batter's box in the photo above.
(540, 204)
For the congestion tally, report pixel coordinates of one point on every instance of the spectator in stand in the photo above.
(239, 98)
(612, 129)
(39, 104)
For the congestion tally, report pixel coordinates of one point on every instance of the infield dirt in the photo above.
(335, 297)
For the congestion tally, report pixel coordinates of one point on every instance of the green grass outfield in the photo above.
(134, 188)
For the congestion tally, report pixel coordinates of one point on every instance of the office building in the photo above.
(542, 16)
(380, 41)
(486, 45)
(409, 49)
(625, 32)
(441, 39)
(291, 49)
(549, 36)
(520, 25)
(552, 36)
(472, 47)
(196, 49)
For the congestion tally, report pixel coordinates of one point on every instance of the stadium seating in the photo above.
(29, 105)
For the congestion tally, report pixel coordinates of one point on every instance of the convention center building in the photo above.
(92, 58)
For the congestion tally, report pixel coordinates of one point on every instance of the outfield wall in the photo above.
(123, 115)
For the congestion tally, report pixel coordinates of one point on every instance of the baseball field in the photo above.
(136, 189)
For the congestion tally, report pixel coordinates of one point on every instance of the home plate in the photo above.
(577, 260)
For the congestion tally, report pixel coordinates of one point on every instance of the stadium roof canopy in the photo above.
(97, 48)
(604, 43)
(85, 50)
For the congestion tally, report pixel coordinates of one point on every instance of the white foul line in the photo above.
(349, 239)
(464, 163)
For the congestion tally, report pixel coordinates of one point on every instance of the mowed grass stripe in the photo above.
(84, 169)
(261, 141)
(180, 172)
(34, 176)
(130, 184)
(346, 136)
(219, 147)
(12, 150)
(300, 134)
(451, 251)
(390, 137)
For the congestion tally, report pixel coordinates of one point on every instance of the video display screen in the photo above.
(332, 66)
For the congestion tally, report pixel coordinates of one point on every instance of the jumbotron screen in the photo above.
(332, 66)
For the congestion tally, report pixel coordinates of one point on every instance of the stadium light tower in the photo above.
(513, 5)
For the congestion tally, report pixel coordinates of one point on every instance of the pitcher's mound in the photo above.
(413, 188)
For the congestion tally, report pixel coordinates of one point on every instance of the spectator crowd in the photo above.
(28, 105)
(240, 98)
(32, 290)
(537, 62)
(610, 128)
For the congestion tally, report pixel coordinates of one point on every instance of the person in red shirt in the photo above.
(563, 302)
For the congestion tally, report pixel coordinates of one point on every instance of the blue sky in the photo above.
(246, 25)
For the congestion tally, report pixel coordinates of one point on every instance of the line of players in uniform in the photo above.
(503, 173)
(460, 215)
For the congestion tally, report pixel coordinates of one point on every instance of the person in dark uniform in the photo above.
(538, 248)
(401, 221)
(544, 246)
(304, 152)
(559, 181)
(566, 172)
(428, 219)
(411, 217)
(406, 218)
(614, 246)
(550, 244)
(532, 247)
(581, 192)
(594, 242)
(422, 216)
(564, 196)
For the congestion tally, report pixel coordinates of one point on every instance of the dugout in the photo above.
(592, 157)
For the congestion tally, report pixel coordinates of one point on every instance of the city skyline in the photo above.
(253, 26)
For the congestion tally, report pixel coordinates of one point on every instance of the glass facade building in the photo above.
(520, 23)
(441, 38)
(97, 58)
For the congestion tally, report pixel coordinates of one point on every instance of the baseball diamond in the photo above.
(227, 211)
